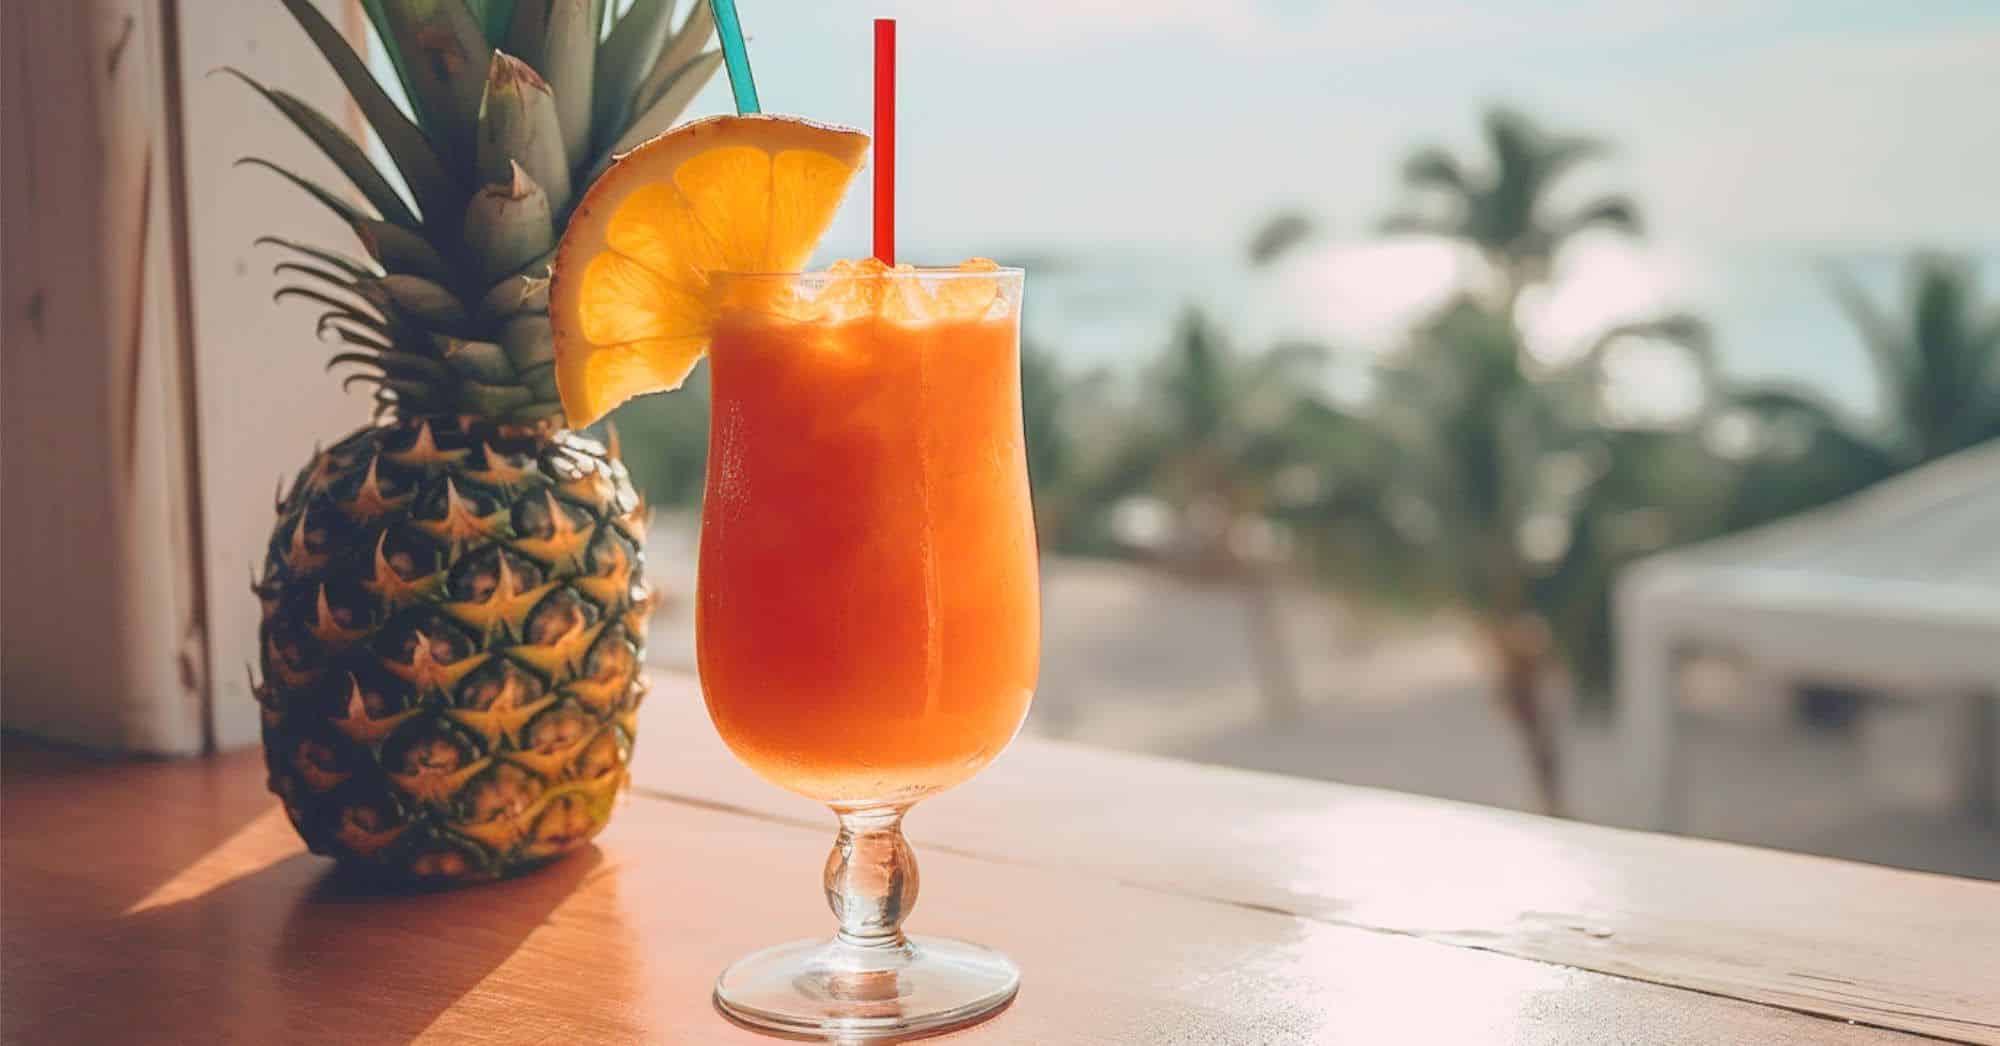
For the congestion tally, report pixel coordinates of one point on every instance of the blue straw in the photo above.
(734, 56)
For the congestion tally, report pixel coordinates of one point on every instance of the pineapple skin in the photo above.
(454, 624)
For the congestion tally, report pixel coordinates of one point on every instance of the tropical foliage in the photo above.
(1937, 368)
(1509, 493)
(1504, 207)
(1211, 440)
(1502, 486)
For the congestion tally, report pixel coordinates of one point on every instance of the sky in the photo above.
(1082, 124)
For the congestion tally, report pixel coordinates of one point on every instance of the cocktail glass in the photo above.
(867, 611)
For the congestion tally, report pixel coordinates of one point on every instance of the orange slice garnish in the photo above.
(630, 304)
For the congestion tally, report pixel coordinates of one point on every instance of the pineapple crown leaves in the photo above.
(513, 106)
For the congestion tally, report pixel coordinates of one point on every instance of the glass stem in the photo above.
(871, 877)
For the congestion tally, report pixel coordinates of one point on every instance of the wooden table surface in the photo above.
(1147, 901)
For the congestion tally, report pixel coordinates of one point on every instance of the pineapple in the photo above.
(453, 614)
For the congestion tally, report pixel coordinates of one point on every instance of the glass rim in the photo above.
(938, 272)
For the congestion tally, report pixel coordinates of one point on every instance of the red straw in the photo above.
(885, 140)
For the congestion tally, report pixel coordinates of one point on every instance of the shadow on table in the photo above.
(284, 948)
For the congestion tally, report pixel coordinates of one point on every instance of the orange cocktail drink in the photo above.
(867, 616)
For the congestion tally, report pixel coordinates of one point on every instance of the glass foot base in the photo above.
(835, 990)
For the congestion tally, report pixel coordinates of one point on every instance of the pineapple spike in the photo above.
(342, 325)
(508, 226)
(338, 147)
(353, 379)
(505, 716)
(300, 559)
(566, 544)
(507, 604)
(424, 452)
(345, 330)
(425, 671)
(339, 314)
(561, 657)
(429, 785)
(396, 248)
(392, 588)
(324, 607)
(412, 395)
(394, 364)
(460, 523)
(358, 725)
(369, 502)
(621, 65)
(361, 343)
(347, 336)
(569, 64)
(612, 449)
(499, 472)
(438, 195)
(445, 57)
(366, 359)
(384, 322)
(347, 211)
(518, 123)
(341, 308)
(348, 284)
(328, 629)
(340, 322)
(353, 267)
(277, 505)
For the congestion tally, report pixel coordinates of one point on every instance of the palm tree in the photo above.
(1502, 207)
(1279, 234)
(1479, 483)
(1212, 438)
(1939, 365)
(1493, 486)
(1055, 402)
(1937, 369)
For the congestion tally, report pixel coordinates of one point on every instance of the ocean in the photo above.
(1773, 315)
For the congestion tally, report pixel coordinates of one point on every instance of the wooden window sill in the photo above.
(1146, 901)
